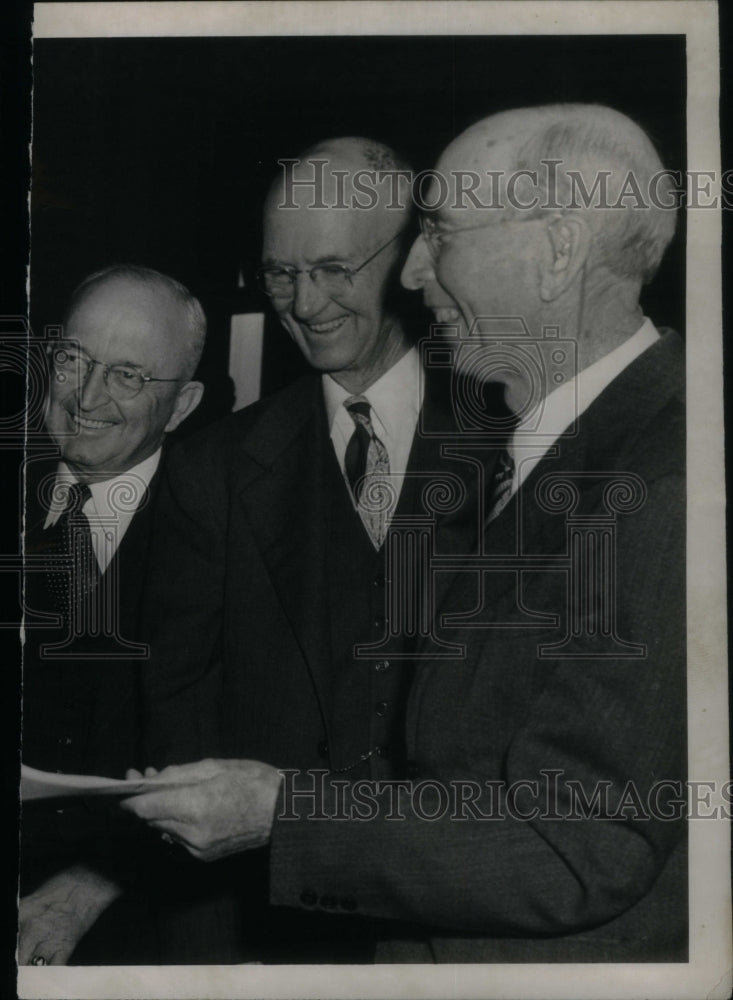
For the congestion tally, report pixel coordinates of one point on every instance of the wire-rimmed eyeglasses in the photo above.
(433, 232)
(278, 280)
(73, 366)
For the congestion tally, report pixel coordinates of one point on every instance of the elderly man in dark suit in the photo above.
(121, 379)
(538, 814)
(273, 636)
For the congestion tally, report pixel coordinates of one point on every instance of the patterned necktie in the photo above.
(78, 573)
(367, 464)
(501, 484)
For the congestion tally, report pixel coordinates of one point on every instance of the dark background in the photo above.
(158, 151)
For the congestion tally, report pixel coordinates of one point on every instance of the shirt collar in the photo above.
(561, 407)
(137, 478)
(395, 398)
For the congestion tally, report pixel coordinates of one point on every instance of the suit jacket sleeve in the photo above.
(614, 724)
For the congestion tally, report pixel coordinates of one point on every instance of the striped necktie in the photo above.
(367, 468)
(501, 484)
(78, 574)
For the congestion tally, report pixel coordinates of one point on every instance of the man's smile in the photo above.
(328, 326)
(446, 314)
(86, 423)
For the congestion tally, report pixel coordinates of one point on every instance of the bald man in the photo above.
(277, 528)
(542, 816)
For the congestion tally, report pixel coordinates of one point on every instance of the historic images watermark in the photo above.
(553, 796)
(556, 186)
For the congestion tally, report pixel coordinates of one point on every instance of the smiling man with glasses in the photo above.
(119, 381)
(279, 532)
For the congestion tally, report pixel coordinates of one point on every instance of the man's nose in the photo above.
(93, 391)
(308, 300)
(418, 269)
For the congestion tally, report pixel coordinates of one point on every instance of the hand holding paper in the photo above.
(214, 808)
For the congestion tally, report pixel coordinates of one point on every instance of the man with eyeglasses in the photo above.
(119, 380)
(285, 597)
(540, 815)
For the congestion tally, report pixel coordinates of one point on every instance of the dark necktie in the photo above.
(78, 575)
(367, 469)
(501, 484)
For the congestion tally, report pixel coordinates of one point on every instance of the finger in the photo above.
(150, 772)
(156, 807)
(132, 775)
(26, 944)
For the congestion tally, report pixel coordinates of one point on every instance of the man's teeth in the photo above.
(333, 324)
(447, 315)
(92, 424)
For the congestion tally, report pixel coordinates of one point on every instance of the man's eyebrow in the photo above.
(330, 258)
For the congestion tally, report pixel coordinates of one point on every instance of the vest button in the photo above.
(381, 708)
(379, 580)
(322, 749)
(384, 752)
(379, 623)
(381, 665)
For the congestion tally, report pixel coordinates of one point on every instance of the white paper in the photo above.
(36, 784)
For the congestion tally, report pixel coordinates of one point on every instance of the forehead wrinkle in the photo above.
(115, 323)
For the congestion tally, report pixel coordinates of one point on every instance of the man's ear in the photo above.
(189, 397)
(570, 243)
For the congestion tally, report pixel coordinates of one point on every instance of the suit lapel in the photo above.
(524, 529)
(283, 492)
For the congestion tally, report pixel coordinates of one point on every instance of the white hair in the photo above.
(195, 332)
(590, 140)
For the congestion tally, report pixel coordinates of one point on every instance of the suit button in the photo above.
(381, 665)
(384, 752)
(379, 623)
(308, 897)
(381, 708)
(328, 902)
(379, 580)
(412, 769)
(322, 749)
(348, 903)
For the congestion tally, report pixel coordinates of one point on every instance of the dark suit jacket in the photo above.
(243, 617)
(81, 701)
(610, 887)
(81, 714)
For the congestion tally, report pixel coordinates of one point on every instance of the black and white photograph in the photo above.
(370, 574)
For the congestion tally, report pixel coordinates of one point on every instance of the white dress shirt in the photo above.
(111, 507)
(536, 434)
(395, 400)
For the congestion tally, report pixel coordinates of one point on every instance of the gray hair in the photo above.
(592, 139)
(195, 332)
